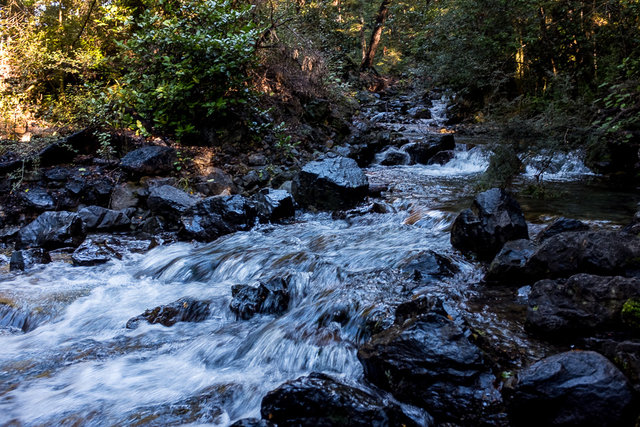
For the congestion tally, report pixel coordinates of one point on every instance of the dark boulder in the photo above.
(216, 183)
(577, 388)
(579, 305)
(595, 252)
(25, 258)
(634, 226)
(52, 230)
(393, 157)
(331, 184)
(94, 251)
(495, 218)
(421, 152)
(38, 199)
(508, 265)
(631, 313)
(252, 422)
(625, 354)
(182, 310)
(274, 205)
(562, 225)
(429, 265)
(216, 216)
(169, 201)
(271, 297)
(442, 157)
(124, 196)
(103, 219)
(432, 364)
(150, 160)
(319, 400)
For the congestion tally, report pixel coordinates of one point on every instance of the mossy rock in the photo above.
(631, 313)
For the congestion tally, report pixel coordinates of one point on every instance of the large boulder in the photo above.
(562, 225)
(579, 305)
(431, 363)
(25, 258)
(103, 219)
(274, 205)
(495, 218)
(169, 201)
(624, 354)
(595, 252)
(150, 160)
(422, 152)
(182, 310)
(319, 400)
(331, 184)
(392, 157)
(271, 297)
(509, 264)
(216, 216)
(577, 388)
(52, 230)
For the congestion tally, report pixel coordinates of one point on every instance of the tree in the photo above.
(376, 35)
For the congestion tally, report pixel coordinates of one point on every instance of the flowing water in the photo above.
(78, 365)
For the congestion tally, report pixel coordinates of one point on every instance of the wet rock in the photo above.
(25, 258)
(392, 157)
(319, 400)
(422, 152)
(252, 422)
(52, 230)
(123, 196)
(562, 225)
(95, 251)
(38, 198)
(331, 184)
(271, 297)
(153, 225)
(13, 317)
(442, 157)
(579, 305)
(596, 252)
(257, 160)
(216, 183)
(630, 314)
(216, 216)
(103, 219)
(577, 388)
(495, 218)
(150, 160)
(420, 113)
(274, 205)
(182, 310)
(430, 265)
(634, 226)
(57, 176)
(169, 201)
(508, 265)
(432, 364)
(625, 354)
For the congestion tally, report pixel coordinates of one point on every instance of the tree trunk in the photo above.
(383, 13)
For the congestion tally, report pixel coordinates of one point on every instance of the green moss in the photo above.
(631, 313)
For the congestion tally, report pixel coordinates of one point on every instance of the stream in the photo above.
(78, 365)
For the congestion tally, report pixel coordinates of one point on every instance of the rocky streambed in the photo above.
(395, 294)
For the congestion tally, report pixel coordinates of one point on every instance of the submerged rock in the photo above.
(432, 364)
(319, 400)
(495, 218)
(562, 225)
(577, 388)
(150, 160)
(216, 216)
(331, 184)
(271, 297)
(25, 258)
(52, 230)
(182, 310)
(170, 201)
(579, 305)
(510, 262)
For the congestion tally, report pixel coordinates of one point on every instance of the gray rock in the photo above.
(95, 251)
(52, 230)
(169, 201)
(216, 183)
(274, 205)
(124, 196)
(149, 160)
(216, 216)
(38, 198)
(271, 297)
(509, 263)
(103, 219)
(182, 310)
(562, 225)
(393, 157)
(422, 152)
(25, 258)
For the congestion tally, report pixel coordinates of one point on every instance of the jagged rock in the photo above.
(52, 230)
(94, 251)
(25, 258)
(562, 225)
(38, 198)
(274, 205)
(431, 363)
(182, 310)
(576, 388)
(169, 201)
(271, 297)
(216, 183)
(319, 400)
(509, 264)
(216, 216)
(123, 196)
(625, 354)
(595, 252)
(392, 157)
(495, 218)
(103, 219)
(332, 183)
(422, 152)
(430, 265)
(579, 305)
(150, 160)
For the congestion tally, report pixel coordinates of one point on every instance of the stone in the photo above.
(123, 196)
(52, 230)
(442, 157)
(149, 160)
(216, 183)
(169, 201)
(319, 400)
(576, 388)
(274, 205)
(579, 305)
(25, 258)
(495, 218)
(509, 263)
(216, 216)
(271, 297)
(252, 422)
(562, 225)
(625, 354)
(95, 251)
(430, 363)
(430, 265)
(97, 218)
(182, 310)
(257, 160)
(331, 184)
(38, 198)
(421, 152)
(393, 157)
